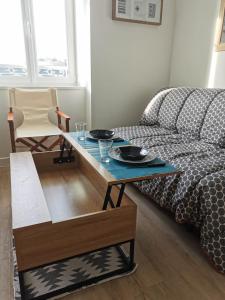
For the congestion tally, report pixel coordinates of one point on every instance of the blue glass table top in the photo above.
(123, 171)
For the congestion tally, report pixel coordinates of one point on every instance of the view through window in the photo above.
(35, 40)
(12, 50)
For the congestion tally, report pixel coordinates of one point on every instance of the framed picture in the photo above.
(220, 44)
(138, 11)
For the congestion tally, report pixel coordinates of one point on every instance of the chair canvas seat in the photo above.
(35, 107)
(37, 130)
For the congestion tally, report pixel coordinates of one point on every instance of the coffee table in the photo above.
(51, 224)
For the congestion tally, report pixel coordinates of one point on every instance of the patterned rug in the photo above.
(62, 278)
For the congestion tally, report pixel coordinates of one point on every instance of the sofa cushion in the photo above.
(194, 110)
(171, 107)
(150, 115)
(213, 129)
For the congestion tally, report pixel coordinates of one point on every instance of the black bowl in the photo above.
(133, 153)
(102, 134)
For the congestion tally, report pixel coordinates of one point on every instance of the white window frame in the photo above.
(32, 79)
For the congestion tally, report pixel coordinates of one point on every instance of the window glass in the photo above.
(50, 38)
(12, 47)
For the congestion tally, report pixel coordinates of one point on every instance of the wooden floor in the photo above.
(170, 262)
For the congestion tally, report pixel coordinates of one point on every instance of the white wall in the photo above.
(218, 70)
(71, 101)
(129, 63)
(83, 51)
(193, 42)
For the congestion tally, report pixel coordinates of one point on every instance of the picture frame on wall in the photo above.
(138, 11)
(220, 43)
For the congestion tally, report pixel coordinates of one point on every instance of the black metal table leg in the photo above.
(107, 197)
(22, 288)
(123, 185)
(132, 246)
(69, 158)
(70, 152)
(128, 259)
(62, 149)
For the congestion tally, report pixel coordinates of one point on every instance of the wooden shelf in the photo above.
(69, 194)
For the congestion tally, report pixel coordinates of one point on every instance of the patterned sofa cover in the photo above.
(186, 126)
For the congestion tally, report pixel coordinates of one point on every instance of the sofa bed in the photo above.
(186, 127)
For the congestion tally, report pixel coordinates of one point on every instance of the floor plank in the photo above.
(171, 265)
(6, 289)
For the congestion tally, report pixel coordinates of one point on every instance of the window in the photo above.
(37, 42)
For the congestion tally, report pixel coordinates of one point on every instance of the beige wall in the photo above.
(193, 42)
(129, 63)
(71, 101)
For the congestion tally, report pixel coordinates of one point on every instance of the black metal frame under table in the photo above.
(129, 267)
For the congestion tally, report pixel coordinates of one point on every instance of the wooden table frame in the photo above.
(32, 229)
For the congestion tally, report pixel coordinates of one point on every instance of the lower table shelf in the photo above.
(75, 273)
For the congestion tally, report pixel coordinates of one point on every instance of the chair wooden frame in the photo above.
(32, 143)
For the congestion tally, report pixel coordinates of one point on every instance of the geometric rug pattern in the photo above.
(56, 276)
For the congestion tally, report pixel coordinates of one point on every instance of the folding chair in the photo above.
(36, 128)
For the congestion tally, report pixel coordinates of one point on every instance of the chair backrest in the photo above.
(34, 104)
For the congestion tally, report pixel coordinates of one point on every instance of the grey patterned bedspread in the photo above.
(186, 127)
